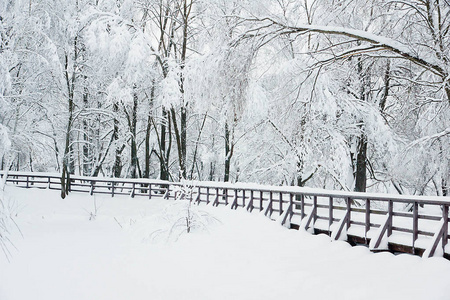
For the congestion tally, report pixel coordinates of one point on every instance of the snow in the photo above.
(78, 248)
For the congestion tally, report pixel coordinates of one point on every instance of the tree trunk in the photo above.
(68, 164)
(179, 140)
(117, 168)
(361, 148)
(183, 125)
(133, 124)
(148, 152)
(228, 153)
(164, 150)
(87, 163)
(361, 165)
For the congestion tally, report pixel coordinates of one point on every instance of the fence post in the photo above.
(197, 199)
(250, 202)
(390, 216)
(291, 205)
(445, 233)
(216, 200)
(314, 209)
(149, 191)
(261, 201)
(367, 219)
(207, 195)
(302, 206)
(268, 211)
(349, 211)
(112, 189)
(281, 203)
(27, 181)
(330, 213)
(132, 190)
(415, 224)
(92, 188)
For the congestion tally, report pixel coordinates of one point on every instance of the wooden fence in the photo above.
(410, 224)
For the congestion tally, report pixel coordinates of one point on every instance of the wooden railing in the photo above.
(411, 224)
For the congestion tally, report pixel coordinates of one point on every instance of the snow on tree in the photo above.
(281, 92)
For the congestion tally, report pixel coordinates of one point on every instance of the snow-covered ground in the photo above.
(122, 248)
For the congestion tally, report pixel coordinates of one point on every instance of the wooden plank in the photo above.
(358, 223)
(428, 217)
(306, 204)
(390, 216)
(349, 210)
(82, 184)
(197, 198)
(166, 194)
(330, 212)
(445, 220)
(34, 182)
(402, 214)
(281, 203)
(376, 241)
(92, 187)
(420, 216)
(288, 215)
(216, 199)
(268, 211)
(291, 204)
(260, 201)
(336, 234)
(95, 191)
(367, 218)
(250, 202)
(430, 251)
(234, 205)
(312, 217)
(315, 209)
(395, 247)
(133, 190)
(81, 191)
(302, 206)
(415, 223)
(326, 206)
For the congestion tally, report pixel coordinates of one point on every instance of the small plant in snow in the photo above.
(185, 193)
(183, 217)
(93, 213)
(7, 223)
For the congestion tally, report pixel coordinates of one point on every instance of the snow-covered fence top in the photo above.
(412, 224)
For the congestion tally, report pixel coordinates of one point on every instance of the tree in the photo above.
(372, 42)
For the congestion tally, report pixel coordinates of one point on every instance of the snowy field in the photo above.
(122, 248)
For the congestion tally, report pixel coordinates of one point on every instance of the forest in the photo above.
(338, 94)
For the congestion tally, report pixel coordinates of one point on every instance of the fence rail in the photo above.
(411, 224)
